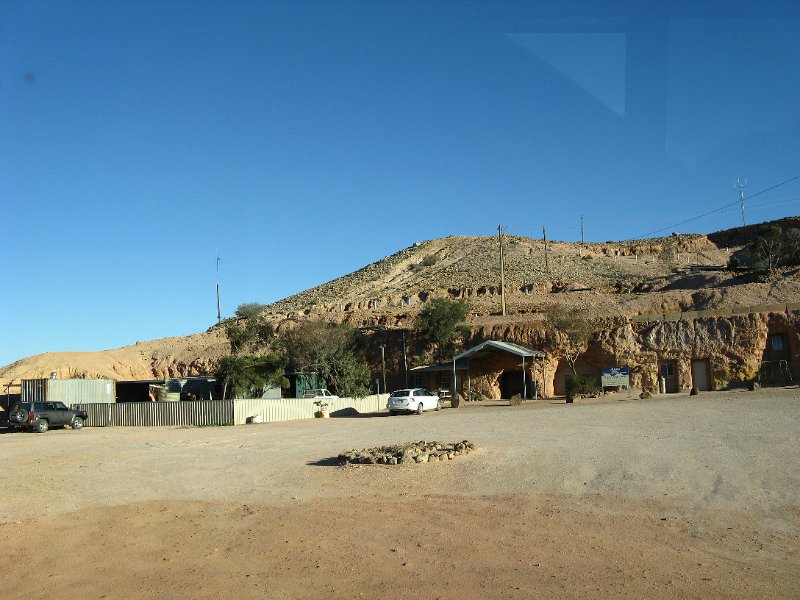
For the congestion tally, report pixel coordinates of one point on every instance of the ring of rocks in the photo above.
(409, 453)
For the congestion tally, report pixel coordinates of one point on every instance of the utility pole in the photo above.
(502, 271)
(383, 365)
(219, 312)
(546, 264)
(581, 251)
(740, 185)
(405, 356)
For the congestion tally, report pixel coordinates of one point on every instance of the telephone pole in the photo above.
(740, 185)
(502, 271)
(581, 250)
(383, 365)
(546, 264)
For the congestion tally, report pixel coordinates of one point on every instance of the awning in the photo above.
(486, 348)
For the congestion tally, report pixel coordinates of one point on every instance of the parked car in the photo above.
(414, 400)
(41, 416)
(320, 393)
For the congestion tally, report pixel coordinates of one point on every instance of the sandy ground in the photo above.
(674, 497)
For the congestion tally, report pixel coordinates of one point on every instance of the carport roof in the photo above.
(488, 347)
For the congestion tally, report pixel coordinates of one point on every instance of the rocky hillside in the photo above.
(612, 279)
(156, 359)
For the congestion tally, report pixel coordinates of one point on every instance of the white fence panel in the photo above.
(367, 404)
(221, 412)
(289, 409)
(272, 409)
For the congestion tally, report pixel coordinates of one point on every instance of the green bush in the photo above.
(430, 260)
(582, 385)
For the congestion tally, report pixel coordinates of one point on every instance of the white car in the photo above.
(317, 394)
(414, 400)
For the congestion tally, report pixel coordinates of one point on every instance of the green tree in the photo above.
(250, 310)
(774, 246)
(334, 351)
(443, 323)
(573, 331)
(249, 330)
(247, 376)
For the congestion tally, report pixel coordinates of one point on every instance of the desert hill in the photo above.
(612, 279)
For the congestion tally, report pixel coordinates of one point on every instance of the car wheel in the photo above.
(77, 423)
(41, 426)
(420, 408)
(438, 405)
(19, 416)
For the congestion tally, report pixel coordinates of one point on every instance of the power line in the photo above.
(775, 203)
(720, 209)
(769, 204)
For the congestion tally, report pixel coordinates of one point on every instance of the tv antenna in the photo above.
(740, 185)
(219, 312)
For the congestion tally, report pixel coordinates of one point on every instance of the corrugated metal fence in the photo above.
(220, 412)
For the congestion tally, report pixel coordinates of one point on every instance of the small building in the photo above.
(172, 389)
(300, 382)
(491, 370)
(69, 391)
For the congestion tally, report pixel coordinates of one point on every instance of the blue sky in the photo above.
(304, 140)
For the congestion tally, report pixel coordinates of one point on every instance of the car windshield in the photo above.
(400, 393)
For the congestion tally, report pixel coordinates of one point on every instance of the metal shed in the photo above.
(69, 391)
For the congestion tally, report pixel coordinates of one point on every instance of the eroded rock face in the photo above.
(732, 345)
(157, 359)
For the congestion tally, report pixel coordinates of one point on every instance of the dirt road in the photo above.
(667, 498)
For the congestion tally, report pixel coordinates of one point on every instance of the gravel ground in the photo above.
(672, 497)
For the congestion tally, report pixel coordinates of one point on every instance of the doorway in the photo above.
(700, 375)
(668, 370)
(512, 384)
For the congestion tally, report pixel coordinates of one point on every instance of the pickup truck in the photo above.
(319, 393)
(41, 416)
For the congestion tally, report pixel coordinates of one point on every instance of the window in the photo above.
(668, 370)
(445, 382)
(777, 342)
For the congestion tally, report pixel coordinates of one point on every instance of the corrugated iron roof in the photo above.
(485, 348)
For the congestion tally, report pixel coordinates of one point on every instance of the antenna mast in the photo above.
(219, 312)
(740, 185)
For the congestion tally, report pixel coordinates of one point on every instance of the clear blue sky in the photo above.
(305, 140)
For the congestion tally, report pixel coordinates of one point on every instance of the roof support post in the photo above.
(524, 381)
(544, 378)
(454, 378)
(469, 379)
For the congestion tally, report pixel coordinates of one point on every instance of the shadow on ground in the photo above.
(332, 461)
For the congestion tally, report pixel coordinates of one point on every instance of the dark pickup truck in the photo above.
(41, 416)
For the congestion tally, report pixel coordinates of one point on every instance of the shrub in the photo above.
(582, 385)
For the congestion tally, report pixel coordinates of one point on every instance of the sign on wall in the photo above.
(615, 377)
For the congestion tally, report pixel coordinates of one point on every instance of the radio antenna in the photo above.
(740, 185)
(219, 312)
